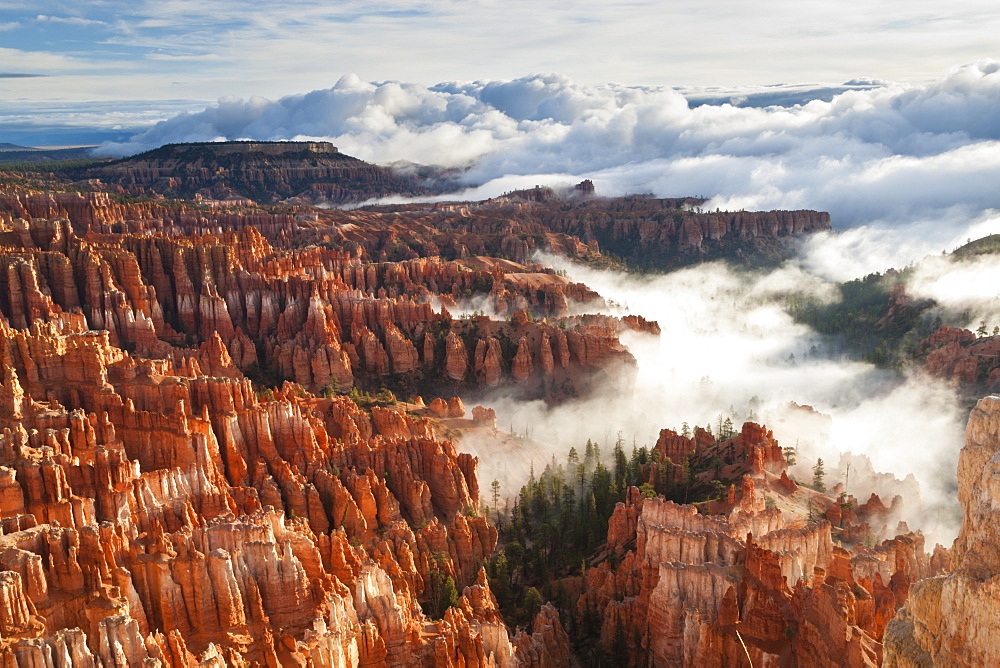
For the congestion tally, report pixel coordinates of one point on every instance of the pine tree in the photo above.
(621, 466)
(572, 459)
(727, 429)
(789, 453)
(532, 602)
(588, 455)
(495, 489)
(818, 474)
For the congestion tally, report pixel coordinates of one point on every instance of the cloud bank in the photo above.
(874, 155)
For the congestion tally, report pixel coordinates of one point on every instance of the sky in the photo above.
(93, 70)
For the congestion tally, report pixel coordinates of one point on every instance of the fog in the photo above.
(883, 154)
(728, 348)
(967, 289)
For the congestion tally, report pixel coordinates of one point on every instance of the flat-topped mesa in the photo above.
(273, 148)
(263, 171)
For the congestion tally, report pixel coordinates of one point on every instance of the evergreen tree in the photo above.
(727, 429)
(572, 459)
(495, 489)
(789, 453)
(532, 602)
(588, 455)
(818, 474)
(620, 466)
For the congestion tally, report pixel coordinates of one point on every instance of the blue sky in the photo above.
(111, 66)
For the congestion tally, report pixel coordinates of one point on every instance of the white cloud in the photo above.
(69, 20)
(885, 155)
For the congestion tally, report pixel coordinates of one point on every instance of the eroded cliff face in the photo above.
(951, 620)
(320, 317)
(751, 575)
(151, 511)
(182, 483)
(643, 231)
(157, 507)
(960, 356)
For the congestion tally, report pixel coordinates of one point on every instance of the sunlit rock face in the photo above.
(952, 619)
(748, 575)
(160, 279)
(152, 512)
(153, 507)
(156, 505)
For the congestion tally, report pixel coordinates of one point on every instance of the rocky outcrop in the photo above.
(184, 481)
(960, 356)
(485, 416)
(235, 304)
(644, 231)
(951, 619)
(151, 512)
(714, 583)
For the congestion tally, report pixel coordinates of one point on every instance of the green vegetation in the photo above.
(862, 322)
(382, 398)
(443, 593)
(47, 166)
(557, 527)
(819, 473)
(989, 245)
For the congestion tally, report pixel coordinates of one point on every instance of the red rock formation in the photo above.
(951, 619)
(456, 409)
(456, 359)
(150, 511)
(704, 589)
(182, 480)
(324, 319)
(958, 355)
(485, 416)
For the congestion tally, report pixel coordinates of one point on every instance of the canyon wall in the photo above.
(951, 620)
(321, 317)
(183, 481)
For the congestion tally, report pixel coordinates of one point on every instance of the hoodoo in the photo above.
(214, 450)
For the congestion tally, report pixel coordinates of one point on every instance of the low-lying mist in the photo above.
(729, 349)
